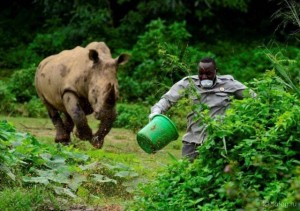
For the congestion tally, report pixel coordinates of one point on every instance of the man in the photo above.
(212, 90)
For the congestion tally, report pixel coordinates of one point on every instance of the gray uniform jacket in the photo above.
(216, 98)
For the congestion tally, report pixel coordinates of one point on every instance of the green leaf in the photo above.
(90, 166)
(76, 180)
(77, 156)
(196, 190)
(102, 179)
(60, 176)
(40, 180)
(126, 174)
(53, 161)
(64, 191)
(7, 171)
(173, 157)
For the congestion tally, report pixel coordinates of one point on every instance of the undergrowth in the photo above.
(64, 171)
(250, 160)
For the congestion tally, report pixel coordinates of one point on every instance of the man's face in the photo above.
(207, 71)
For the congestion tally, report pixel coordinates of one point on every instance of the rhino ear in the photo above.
(93, 55)
(123, 59)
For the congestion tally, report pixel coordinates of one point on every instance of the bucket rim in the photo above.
(172, 123)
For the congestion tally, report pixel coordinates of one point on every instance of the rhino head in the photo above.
(103, 86)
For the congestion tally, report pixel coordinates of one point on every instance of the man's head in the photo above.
(207, 72)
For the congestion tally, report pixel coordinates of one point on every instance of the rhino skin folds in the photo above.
(78, 82)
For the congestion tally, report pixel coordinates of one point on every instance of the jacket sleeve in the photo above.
(170, 98)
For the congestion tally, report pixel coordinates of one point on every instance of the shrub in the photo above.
(47, 44)
(157, 61)
(132, 117)
(34, 108)
(21, 84)
(7, 99)
(18, 95)
(250, 160)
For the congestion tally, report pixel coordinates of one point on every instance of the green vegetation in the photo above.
(163, 50)
(251, 159)
(34, 29)
(35, 198)
(46, 175)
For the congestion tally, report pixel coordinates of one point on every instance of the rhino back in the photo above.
(62, 72)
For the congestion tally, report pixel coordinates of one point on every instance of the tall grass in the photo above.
(288, 13)
(283, 73)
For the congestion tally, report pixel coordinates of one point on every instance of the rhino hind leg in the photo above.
(62, 135)
(76, 113)
(68, 122)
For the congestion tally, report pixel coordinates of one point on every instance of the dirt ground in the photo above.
(102, 208)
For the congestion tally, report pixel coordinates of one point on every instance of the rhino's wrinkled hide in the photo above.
(79, 82)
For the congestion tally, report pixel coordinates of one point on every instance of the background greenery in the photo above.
(166, 39)
(251, 160)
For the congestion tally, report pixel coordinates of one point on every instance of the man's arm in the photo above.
(239, 94)
(160, 107)
(169, 99)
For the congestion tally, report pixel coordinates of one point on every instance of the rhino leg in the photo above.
(68, 122)
(62, 136)
(72, 105)
(107, 120)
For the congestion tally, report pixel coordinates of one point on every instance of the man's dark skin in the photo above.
(208, 71)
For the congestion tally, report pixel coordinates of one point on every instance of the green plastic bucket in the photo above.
(158, 133)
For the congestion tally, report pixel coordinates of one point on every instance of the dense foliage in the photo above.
(34, 29)
(250, 161)
(165, 42)
(64, 171)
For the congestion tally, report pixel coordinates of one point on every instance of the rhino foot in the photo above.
(65, 140)
(97, 142)
(87, 135)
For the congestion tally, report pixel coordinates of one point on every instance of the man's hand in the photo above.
(152, 115)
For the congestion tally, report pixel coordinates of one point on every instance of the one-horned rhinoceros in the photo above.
(76, 83)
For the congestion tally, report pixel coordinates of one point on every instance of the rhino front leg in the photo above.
(107, 119)
(62, 135)
(76, 113)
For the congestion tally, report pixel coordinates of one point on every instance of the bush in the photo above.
(250, 160)
(18, 95)
(47, 44)
(21, 84)
(156, 60)
(34, 108)
(132, 116)
(7, 99)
